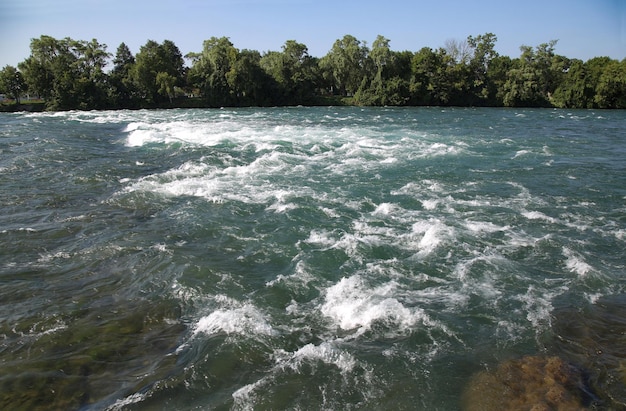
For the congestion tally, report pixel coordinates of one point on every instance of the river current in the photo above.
(299, 258)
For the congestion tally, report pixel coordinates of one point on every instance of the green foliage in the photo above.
(297, 73)
(345, 65)
(12, 83)
(213, 68)
(152, 59)
(123, 92)
(534, 77)
(575, 89)
(69, 74)
(252, 86)
(611, 87)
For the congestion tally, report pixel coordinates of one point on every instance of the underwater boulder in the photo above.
(594, 337)
(534, 383)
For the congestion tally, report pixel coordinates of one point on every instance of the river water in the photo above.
(333, 258)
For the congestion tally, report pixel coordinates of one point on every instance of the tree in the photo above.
(210, 71)
(67, 73)
(38, 68)
(437, 79)
(165, 82)
(299, 72)
(496, 79)
(381, 54)
(534, 76)
(593, 71)
(424, 65)
(12, 83)
(386, 80)
(345, 65)
(154, 58)
(90, 89)
(460, 51)
(574, 90)
(250, 83)
(482, 89)
(293, 71)
(122, 88)
(611, 88)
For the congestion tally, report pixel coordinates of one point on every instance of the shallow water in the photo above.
(302, 258)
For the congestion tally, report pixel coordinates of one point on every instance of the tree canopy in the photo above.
(70, 74)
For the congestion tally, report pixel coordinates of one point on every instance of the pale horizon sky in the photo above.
(583, 28)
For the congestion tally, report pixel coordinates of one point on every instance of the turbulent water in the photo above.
(305, 258)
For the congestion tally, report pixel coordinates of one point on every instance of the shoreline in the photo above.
(40, 107)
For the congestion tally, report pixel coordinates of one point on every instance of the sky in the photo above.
(583, 28)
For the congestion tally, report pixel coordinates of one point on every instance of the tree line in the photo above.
(72, 74)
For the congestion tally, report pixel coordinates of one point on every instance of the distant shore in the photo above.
(40, 106)
(196, 103)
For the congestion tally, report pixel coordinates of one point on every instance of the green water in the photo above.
(306, 258)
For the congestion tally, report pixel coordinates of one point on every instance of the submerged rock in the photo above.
(101, 354)
(594, 337)
(534, 383)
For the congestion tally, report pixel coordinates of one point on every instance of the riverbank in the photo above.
(31, 106)
(192, 102)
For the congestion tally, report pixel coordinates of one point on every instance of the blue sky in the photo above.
(583, 28)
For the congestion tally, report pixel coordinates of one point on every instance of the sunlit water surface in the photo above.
(305, 258)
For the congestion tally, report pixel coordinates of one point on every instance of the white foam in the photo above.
(484, 227)
(326, 352)
(280, 208)
(537, 215)
(520, 153)
(353, 306)
(244, 320)
(246, 397)
(321, 237)
(433, 233)
(440, 149)
(37, 330)
(329, 212)
(430, 204)
(575, 263)
(299, 279)
(538, 306)
(385, 209)
(46, 258)
(121, 404)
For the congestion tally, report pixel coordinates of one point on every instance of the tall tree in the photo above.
(372, 90)
(293, 69)
(534, 76)
(122, 88)
(299, 72)
(12, 83)
(91, 85)
(38, 68)
(424, 66)
(345, 64)
(574, 90)
(497, 76)
(67, 73)
(611, 87)
(251, 84)
(386, 80)
(210, 70)
(460, 51)
(154, 58)
(482, 54)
